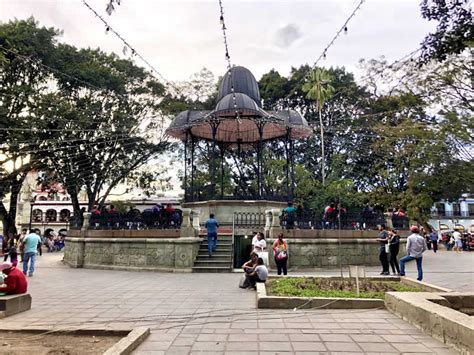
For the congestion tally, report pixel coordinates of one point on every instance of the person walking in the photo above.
(457, 241)
(416, 246)
(30, 243)
(434, 240)
(394, 248)
(280, 252)
(211, 226)
(382, 238)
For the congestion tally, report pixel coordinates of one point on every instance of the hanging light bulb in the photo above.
(107, 29)
(221, 20)
(345, 30)
(324, 55)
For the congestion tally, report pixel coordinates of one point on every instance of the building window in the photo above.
(456, 209)
(37, 216)
(471, 209)
(64, 215)
(441, 209)
(51, 216)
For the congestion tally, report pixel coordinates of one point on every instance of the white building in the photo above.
(457, 214)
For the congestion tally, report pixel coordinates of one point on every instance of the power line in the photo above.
(323, 54)
(134, 52)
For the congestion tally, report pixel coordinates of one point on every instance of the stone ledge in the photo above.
(429, 312)
(126, 345)
(13, 304)
(134, 268)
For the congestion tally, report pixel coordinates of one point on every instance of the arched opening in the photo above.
(51, 216)
(37, 215)
(64, 215)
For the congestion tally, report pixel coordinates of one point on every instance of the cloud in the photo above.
(285, 36)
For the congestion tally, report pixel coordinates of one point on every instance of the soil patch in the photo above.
(338, 288)
(16, 343)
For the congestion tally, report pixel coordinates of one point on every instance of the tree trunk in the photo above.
(323, 164)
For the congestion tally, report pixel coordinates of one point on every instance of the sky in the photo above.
(180, 37)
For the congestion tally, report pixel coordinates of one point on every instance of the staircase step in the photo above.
(217, 253)
(212, 262)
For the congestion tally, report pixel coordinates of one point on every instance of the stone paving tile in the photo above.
(242, 346)
(304, 337)
(274, 337)
(207, 313)
(308, 346)
(275, 346)
(343, 347)
(411, 348)
(340, 338)
(399, 339)
(377, 347)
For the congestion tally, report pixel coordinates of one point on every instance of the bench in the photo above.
(13, 304)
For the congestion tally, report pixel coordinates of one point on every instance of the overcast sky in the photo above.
(179, 37)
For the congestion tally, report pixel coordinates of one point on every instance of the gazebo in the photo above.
(237, 123)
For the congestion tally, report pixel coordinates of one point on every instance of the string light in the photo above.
(227, 57)
(323, 54)
(131, 48)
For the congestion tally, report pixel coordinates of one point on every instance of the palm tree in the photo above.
(319, 89)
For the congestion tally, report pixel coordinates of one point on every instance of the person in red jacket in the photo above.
(15, 282)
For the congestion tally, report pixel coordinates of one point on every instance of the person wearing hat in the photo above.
(15, 282)
(416, 246)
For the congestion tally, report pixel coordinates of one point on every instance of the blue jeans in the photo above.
(418, 265)
(26, 259)
(211, 242)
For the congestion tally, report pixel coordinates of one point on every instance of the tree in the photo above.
(96, 128)
(454, 32)
(319, 89)
(24, 48)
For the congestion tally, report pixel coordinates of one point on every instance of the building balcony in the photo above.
(451, 214)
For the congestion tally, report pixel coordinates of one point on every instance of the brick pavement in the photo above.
(208, 314)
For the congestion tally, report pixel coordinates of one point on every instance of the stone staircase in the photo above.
(221, 260)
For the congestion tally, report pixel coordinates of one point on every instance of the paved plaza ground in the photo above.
(208, 313)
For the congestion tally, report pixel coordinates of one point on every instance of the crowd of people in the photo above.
(158, 216)
(335, 216)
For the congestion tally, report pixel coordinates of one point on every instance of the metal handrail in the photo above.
(233, 241)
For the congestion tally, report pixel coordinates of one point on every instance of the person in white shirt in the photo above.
(457, 241)
(416, 246)
(254, 240)
(260, 245)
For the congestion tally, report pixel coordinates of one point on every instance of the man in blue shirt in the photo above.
(30, 244)
(211, 226)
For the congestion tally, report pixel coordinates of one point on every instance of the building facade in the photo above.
(458, 214)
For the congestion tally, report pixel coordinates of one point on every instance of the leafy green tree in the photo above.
(454, 32)
(24, 48)
(96, 127)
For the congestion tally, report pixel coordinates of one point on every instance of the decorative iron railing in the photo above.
(249, 219)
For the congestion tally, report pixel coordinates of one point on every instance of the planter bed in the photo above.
(332, 292)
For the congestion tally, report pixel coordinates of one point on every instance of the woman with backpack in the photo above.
(280, 252)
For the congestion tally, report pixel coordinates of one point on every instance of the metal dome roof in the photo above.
(243, 82)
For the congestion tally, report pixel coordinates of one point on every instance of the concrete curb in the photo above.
(126, 345)
(277, 302)
(431, 313)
